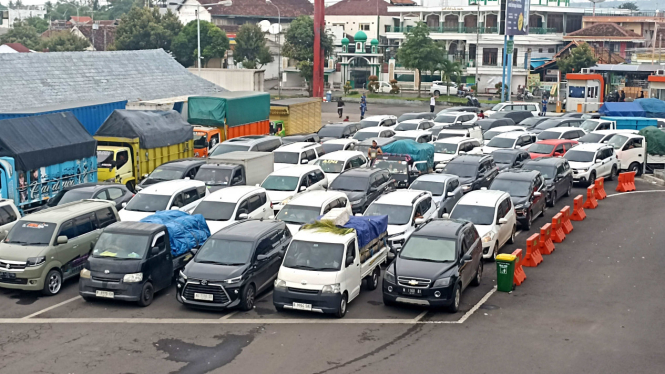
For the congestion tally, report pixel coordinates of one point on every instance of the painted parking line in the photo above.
(633, 192)
(52, 307)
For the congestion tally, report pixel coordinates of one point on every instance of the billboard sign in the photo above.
(517, 17)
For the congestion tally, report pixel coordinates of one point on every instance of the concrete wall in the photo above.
(233, 79)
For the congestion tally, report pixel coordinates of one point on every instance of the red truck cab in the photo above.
(205, 139)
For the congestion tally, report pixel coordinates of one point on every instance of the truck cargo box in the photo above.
(153, 128)
(231, 108)
(258, 165)
(299, 116)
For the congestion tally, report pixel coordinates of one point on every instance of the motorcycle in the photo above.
(472, 101)
(525, 95)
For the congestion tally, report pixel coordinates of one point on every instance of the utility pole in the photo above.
(319, 21)
(279, 49)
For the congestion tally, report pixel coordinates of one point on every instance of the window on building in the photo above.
(515, 54)
(540, 50)
(363, 26)
(490, 56)
(386, 28)
(550, 50)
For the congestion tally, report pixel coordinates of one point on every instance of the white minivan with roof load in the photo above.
(282, 185)
(336, 162)
(306, 207)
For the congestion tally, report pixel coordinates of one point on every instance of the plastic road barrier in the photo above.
(626, 182)
(557, 230)
(545, 245)
(519, 275)
(566, 225)
(505, 272)
(591, 202)
(599, 189)
(533, 256)
(578, 210)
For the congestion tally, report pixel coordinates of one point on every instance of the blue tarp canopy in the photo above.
(367, 228)
(654, 108)
(417, 151)
(539, 61)
(185, 231)
(622, 110)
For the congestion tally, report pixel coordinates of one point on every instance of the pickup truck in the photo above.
(132, 261)
(323, 271)
(241, 168)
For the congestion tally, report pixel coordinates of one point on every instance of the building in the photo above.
(609, 37)
(14, 48)
(358, 63)
(369, 16)
(20, 14)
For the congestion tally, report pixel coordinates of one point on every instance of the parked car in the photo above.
(510, 140)
(470, 109)
(222, 208)
(492, 214)
(468, 131)
(339, 145)
(174, 170)
(251, 143)
(447, 148)
(297, 154)
(492, 123)
(446, 190)
(556, 122)
(423, 276)
(373, 132)
(490, 134)
(305, 208)
(525, 188)
(419, 136)
(410, 116)
(532, 122)
(631, 151)
(593, 160)
(443, 88)
(414, 124)
(363, 186)
(561, 133)
(378, 121)
(474, 171)
(516, 116)
(602, 136)
(9, 215)
(364, 145)
(172, 195)
(572, 115)
(455, 118)
(282, 185)
(234, 266)
(117, 193)
(301, 138)
(336, 131)
(590, 125)
(534, 108)
(558, 176)
(510, 158)
(551, 148)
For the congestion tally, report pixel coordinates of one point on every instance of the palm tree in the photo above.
(449, 69)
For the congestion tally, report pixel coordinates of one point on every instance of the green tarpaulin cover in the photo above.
(417, 151)
(233, 108)
(655, 140)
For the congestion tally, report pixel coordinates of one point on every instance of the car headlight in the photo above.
(233, 280)
(85, 273)
(35, 261)
(285, 201)
(280, 284)
(133, 278)
(356, 202)
(487, 237)
(443, 282)
(182, 275)
(389, 277)
(331, 288)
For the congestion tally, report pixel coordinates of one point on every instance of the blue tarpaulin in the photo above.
(367, 228)
(654, 108)
(417, 151)
(622, 110)
(185, 231)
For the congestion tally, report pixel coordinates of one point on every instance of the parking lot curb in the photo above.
(652, 179)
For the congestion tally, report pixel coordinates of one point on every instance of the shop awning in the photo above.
(537, 62)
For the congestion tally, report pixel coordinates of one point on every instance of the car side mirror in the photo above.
(304, 161)
(349, 261)
(450, 194)
(154, 251)
(62, 239)
(194, 251)
(557, 154)
(175, 208)
(445, 215)
(502, 221)
(302, 188)
(419, 221)
(243, 216)
(262, 257)
(598, 161)
(466, 258)
(537, 194)
(124, 205)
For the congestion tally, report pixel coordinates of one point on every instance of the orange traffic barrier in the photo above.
(533, 256)
(626, 182)
(578, 210)
(599, 189)
(545, 245)
(519, 276)
(566, 225)
(557, 234)
(591, 202)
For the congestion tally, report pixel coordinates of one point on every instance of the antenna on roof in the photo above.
(594, 5)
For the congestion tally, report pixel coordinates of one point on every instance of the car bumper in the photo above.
(488, 249)
(31, 279)
(392, 292)
(321, 303)
(581, 177)
(88, 287)
(230, 298)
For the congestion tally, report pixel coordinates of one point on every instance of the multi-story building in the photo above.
(13, 14)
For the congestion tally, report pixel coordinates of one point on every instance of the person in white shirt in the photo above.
(432, 103)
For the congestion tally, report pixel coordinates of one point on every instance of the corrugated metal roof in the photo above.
(626, 68)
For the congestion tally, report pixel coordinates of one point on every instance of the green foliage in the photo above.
(299, 45)
(373, 85)
(419, 51)
(450, 70)
(394, 88)
(628, 6)
(347, 87)
(64, 41)
(144, 28)
(354, 93)
(251, 49)
(114, 9)
(327, 226)
(578, 59)
(39, 24)
(22, 33)
(214, 43)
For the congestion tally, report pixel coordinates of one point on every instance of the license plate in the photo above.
(412, 291)
(301, 306)
(203, 296)
(4, 274)
(106, 294)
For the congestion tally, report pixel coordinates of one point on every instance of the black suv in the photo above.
(558, 176)
(180, 169)
(510, 158)
(474, 171)
(362, 186)
(438, 261)
(337, 131)
(525, 188)
(234, 265)
(298, 138)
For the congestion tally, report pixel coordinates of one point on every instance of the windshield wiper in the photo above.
(301, 267)
(21, 243)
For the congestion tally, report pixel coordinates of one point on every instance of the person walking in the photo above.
(544, 104)
(622, 98)
(363, 106)
(340, 107)
(432, 103)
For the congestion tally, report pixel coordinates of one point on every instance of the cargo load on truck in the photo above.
(153, 128)
(255, 167)
(185, 231)
(241, 112)
(622, 109)
(654, 108)
(417, 152)
(655, 138)
(296, 116)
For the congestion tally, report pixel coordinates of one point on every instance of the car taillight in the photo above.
(271, 205)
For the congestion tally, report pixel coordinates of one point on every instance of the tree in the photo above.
(22, 33)
(145, 28)
(419, 51)
(299, 45)
(214, 43)
(38, 23)
(64, 41)
(373, 85)
(450, 70)
(251, 49)
(628, 6)
(578, 59)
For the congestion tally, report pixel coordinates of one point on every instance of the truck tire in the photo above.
(52, 283)
(636, 167)
(248, 297)
(342, 307)
(373, 279)
(147, 295)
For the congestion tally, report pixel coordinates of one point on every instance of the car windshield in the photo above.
(589, 125)
(423, 248)
(330, 166)
(280, 183)
(224, 252)
(579, 156)
(461, 170)
(331, 147)
(397, 214)
(314, 256)
(503, 157)
(618, 141)
(286, 157)
(213, 176)
(165, 174)
(226, 148)
(445, 148)
(362, 135)
(541, 149)
(497, 107)
(331, 131)
(406, 126)
(393, 166)
(216, 210)
(298, 214)
(591, 138)
(478, 215)
(64, 197)
(366, 123)
(546, 135)
(105, 159)
(121, 246)
(548, 124)
(490, 134)
(500, 142)
(436, 188)
(406, 117)
(532, 122)
(200, 140)
(547, 171)
(143, 202)
(348, 183)
(397, 137)
(31, 233)
(444, 118)
(512, 187)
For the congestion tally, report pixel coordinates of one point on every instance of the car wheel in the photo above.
(387, 302)
(512, 236)
(569, 191)
(613, 173)
(527, 224)
(341, 308)
(373, 279)
(636, 167)
(592, 178)
(147, 295)
(479, 275)
(248, 297)
(495, 251)
(553, 199)
(457, 296)
(52, 283)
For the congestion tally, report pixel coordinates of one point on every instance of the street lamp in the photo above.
(477, 47)
(279, 49)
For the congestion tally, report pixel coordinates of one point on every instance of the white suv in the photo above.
(447, 148)
(510, 140)
(592, 160)
(534, 108)
(373, 132)
(305, 208)
(378, 121)
(450, 118)
(414, 124)
(282, 185)
(336, 162)
(418, 136)
(181, 194)
(297, 154)
(403, 207)
(224, 207)
(494, 216)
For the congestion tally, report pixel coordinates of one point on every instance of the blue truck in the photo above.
(41, 155)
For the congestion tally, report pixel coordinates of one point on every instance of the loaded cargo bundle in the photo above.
(417, 152)
(185, 231)
(655, 138)
(153, 128)
(241, 112)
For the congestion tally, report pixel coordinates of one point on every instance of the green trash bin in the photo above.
(505, 271)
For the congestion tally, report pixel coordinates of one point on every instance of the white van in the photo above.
(631, 150)
(282, 185)
(468, 131)
(534, 108)
(447, 148)
(297, 154)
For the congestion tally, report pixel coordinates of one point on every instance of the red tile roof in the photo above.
(358, 8)
(18, 47)
(603, 31)
(260, 8)
(104, 35)
(82, 19)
